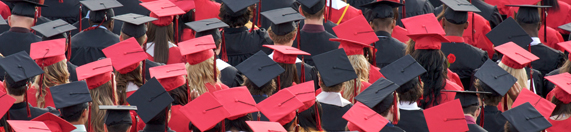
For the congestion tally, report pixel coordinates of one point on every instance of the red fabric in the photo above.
(553, 37)
(161, 21)
(141, 125)
(501, 4)
(187, 34)
(4, 10)
(559, 17)
(33, 100)
(374, 74)
(559, 126)
(336, 14)
(452, 76)
(213, 88)
(133, 121)
(175, 56)
(400, 34)
(178, 122)
(206, 9)
(364, 85)
(318, 91)
(511, 63)
(479, 40)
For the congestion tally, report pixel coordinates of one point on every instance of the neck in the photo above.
(532, 33)
(285, 44)
(389, 30)
(451, 31)
(79, 122)
(389, 116)
(470, 115)
(19, 99)
(314, 21)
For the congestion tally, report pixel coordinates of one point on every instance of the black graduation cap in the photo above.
(237, 7)
(117, 114)
(467, 98)
(19, 68)
(70, 94)
(260, 69)
(381, 9)
(403, 70)
(149, 64)
(53, 28)
(566, 27)
(101, 10)
(207, 27)
(150, 100)
(499, 80)
(134, 24)
(25, 7)
(526, 118)
(509, 30)
(312, 6)
(2, 21)
(334, 67)
(528, 13)
(457, 11)
(378, 94)
(283, 20)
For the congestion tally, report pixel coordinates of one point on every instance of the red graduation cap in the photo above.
(523, 2)
(55, 123)
(365, 118)
(354, 35)
(515, 56)
(185, 5)
(175, 56)
(163, 10)
(95, 73)
(239, 99)
(265, 126)
(206, 9)
(198, 49)
(340, 15)
(563, 83)
(428, 41)
(305, 92)
(285, 54)
(28, 126)
(46, 53)
(440, 118)
(205, 111)
(170, 76)
(400, 34)
(423, 24)
(567, 46)
(7, 102)
(125, 55)
(279, 106)
(542, 105)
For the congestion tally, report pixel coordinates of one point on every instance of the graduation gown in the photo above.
(241, 44)
(538, 82)
(84, 25)
(18, 111)
(553, 37)
(469, 58)
(549, 58)
(412, 121)
(310, 73)
(559, 125)
(327, 25)
(489, 12)
(358, 3)
(475, 128)
(258, 99)
(388, 48)
(72, 73)
(374, 74)
(315, 41)
(32, 98)
(342, 12)
(156, 128)
(178, 122)
(87, 45)
(334, 121)
(15, 40)
(68, 10)
(414, 8)
(493, 119)
(229, 75)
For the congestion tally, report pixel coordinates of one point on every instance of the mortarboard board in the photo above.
(170, 76)
(283, 20)
(457, 11)
(566, 27)
(239, 99)
(508, 31)
(514, 56)
(7, 102)
(70, 94)
(526, 118)
(423, 24)
(567, 46)
(279, 106)
(53, 28)
(19, 68)
(25, 8)
(237, 7)
(95, 73)
(285, 54)
(260, 69)
(117, 114)
(528, 13)
(185, 5)
(305, 92)
(265, 126)
(3, 21)
(403, 70)
(205, 111)
(163, 10)
(28, 126)
(382, 8)
(354, 35)
(55, 123)
(542, 105)
(499, 80)
(563, 82)
(101, 10)
(126, 55)
(365, 118)
(49, 52)
(150, 100)
(334, 67)
(134, 24)
(207, 26)
(378, 94)
(198, 49)
(312, 6)
(439, 118)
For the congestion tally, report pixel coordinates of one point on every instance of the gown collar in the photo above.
(235, 30)
(455, 39)
(332, 98)
(19, 30)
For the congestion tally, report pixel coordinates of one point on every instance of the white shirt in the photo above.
(79, 128)
(297, 60)
(132, 87)
(337, 4)
(151, 48)
(535, 41)
(220, 64)
(332, 98)
(405, 105)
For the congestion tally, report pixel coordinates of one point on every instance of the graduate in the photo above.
(74, 108)
(240, 105)
(160, 32)
(267, 5)
(313, 10)
(560, 116)
(172, 78)
(563, 69)
(239, 42)
(380, 97)
(134, 25)
(118, 118)
(153, 106)
(413, 8)
(382, 18)
(525, 118)
(489, 12)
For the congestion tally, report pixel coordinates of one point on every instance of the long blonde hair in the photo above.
(200, 74)
(521, 76)
(54, 74)
(101, 95)
(361, 66)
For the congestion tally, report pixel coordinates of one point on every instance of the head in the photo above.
(238, 125)
(266, 89)
(180, 95)
(75, 114)
(384, 108)
(103, 17)
(411, 91)
(141, 40)
(520, 74)
(553, 3)
(286, 40)
(561, 108)
(434, 80)
(308, 118)
(472, 110)
(54, 74)
(317, 16)
(16, 89)
(235, 20)
(288, 77)
(123, 127)
(456, 26)
(530, 21)
(200, 74)
(384, 24)
(101, 95)
(361, 66)
(160, 36)
(488, 99)
(123, 80)
(20, 21)
(334, 88)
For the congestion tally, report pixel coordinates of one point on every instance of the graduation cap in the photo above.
(164, 10)
(567, 46)
(260, 69)
(423, 24)
(312, 6)
(279, 106)
(55, 123)
(3, 21)
(198, 49)
(382, 8)
(205, 111)
(467, 98)
(514, 56)
(134, 24)
(185, 5)
(378, 94)
(285, 54)
(237, 7)
(403, 70)
(126, 55)
(150, 100)
(19, 68)
(170, 76)
(7, 100)
(354, 35)
(563, 83)
(117, 114)
(95, 73)
(439, 118)
(305, 92)
(28, 126)
(283, 20)
(25, 8)
(53, 28)
(528, 13)
(70, 94)
(526, 118)
(334, 67)
(49, 52)
(492, 75)
(457, 11)
(566, 27)
(365, 118)
(239, 99)
(101, 10)
(508, 31)
(207, 27)
(265, 126)
(544, 106)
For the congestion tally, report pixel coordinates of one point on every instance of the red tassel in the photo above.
(26, 100)
(259, 10)
(223, 126)
(298, 36)
(302, 80)
(113, 88)
(223, 55)
(505, 103)
(69, 46)
(176, 31)
(318, 119)
(403, 9)
(60, 1)
(531, 87)
(80, 5)
(143, 72)
(482, 116)
(374, 55)
(166, 121)
(278, 82)
(395, 109)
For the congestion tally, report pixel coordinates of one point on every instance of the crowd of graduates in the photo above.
(285, 65)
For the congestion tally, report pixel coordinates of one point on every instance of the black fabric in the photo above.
(412, 121)
(468, 58)
(131, 6)
(155, 128)
(327, 25)
(258, 99)
(388, 48)
(231, 77)
(312, 6)
(149, 64)
(14, 42)
(549, 58)
(310, 74)
(489, 12)
(260, 69)
(72, 73)
(42, 20)
(86, 46)
(538, 82)
(475, 128)
(414, 8)
(18, 111)
(24, 9)
(241, 44)
(68, 11)
(331, 119)
(274, 4)
(358, 3)
(315, 44)
(85, 24)
(435, 2)
(493, 119)
(70, 94)
(548, 86)
(392, 129)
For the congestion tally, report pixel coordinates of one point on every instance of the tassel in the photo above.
(354, 90)
(223, 55)
(473, 30)
(531, 87)
(374, 54)
(223, 126)
(395, 109)
(259, 115)
(80, 5)
(329, 11)
(176, 31)
(505, 103)
(298, 36)
(403, 9)
(482, 116)
(318, 118)
(60, 1)
(254, 19)
(278, 82)
(26, 100)
(113, 89)
(259, 10)
(69, 46)
(302, 80)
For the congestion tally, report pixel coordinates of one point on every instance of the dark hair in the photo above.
(73, 113)
(488, 99)
(470, 109)
(180, 95)
(122, 82)
(308, 118)
(553, 3)
(122, 127)
(281, 39)
(18, 91)
(238, 124)
(160, 36)
(334, 88)
(288, 77)
(434, 61)
(188, 17)
(234, 21)
(410, 91)
(560, 107)
(317, 15)
(266, 89)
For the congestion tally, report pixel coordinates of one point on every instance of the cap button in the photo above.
(235, 100)
(19, 66)
(204, 112)
(366, 118)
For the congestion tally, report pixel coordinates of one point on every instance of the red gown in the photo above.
(32, 99)
(559, 126)
(187, 34)
(336, 14)
(479, 39)
(206, 9)
(502, 8)
(553, 37)
(452, 76)
(559, 17)
(178, 122)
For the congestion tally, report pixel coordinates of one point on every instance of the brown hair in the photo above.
(101, 95)
(488, 99)
(160, 36)
(141, 40)
(566, 67)
(317, 15)
(234, 21)
(288, 77)
(560, 107)
(361, 66)
(54, 74)
(283, 38)
(122, 82)
(334, 88)
(200, 74)
(413, 93)
(180, 95)
(266, 89)
(409, 47)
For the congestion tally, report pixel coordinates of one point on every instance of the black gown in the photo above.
(310, 74)
(475, 128)
(549, 58)
(412, 121)
(18, 111)
(489, 12)
(72, 73)
(393, 129)
(274, 4)
(388, 48)
(332, 117)
(493, 119)
(358, 3)
(87, 45)
(241, 44)
(258, 99)
(15, 40)
(68, 11)
(85, 24)
(538, 82)
(327, 25)
(414, 8)
(468, 59)
(548, 86)
(155, 128)
(315, 44)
